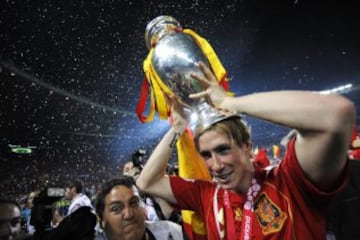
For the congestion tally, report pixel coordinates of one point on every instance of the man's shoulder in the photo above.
(186, 188)
(82, 215)
(177, 180)
(162, 223)
(164, 229)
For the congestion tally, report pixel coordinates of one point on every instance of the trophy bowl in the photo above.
(174, 58)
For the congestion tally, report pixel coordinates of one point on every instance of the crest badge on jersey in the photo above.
(269, 215)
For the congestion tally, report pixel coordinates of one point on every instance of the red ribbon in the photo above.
(142, 100)
(230, 221)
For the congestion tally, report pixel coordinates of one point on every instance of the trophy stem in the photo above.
(207, 115)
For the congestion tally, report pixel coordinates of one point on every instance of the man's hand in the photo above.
(214, 93)
(179, 120)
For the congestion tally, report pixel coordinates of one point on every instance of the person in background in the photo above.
(60, 210)
(286, 202)
(261, 159)
(155, 208)
(344, 211)
(121, 215)
(10, 221)
(79, 225)
(26, 214)
(73, 193)
(80, 220)
(354, 150)
(130, 170)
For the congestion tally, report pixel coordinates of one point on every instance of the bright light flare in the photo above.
(341, 89)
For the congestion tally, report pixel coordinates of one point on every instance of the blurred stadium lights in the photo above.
(341, 89)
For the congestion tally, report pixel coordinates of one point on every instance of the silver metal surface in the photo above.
(174, 58)
(159, 27)
(207, 115)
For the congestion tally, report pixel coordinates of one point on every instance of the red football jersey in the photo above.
(288, 205)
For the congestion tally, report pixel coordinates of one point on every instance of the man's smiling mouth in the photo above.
(224, 177)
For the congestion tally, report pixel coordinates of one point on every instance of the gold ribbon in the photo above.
(157, 86)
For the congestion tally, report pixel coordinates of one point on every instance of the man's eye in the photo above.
(116, 209)
(223, 150)
(206, 155)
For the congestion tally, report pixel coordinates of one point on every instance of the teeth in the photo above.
(222, 176)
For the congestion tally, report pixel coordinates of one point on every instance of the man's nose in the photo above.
(216, 163)
(128, 212)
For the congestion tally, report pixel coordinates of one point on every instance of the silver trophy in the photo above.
(174, 57)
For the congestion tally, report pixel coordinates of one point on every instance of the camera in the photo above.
(138, 158)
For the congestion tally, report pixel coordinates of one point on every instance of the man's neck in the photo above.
(75, 196)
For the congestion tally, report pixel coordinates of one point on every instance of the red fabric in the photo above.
(225, 84)
(354, 154)
(191, 234)
(142, 100)
(354, 136)
(261, 160)
(285, 201)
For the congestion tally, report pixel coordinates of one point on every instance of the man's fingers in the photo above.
(198, 95)
(200, 78)
(207, 72)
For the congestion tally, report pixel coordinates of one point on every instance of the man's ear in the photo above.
(248, 148)
(73, 190)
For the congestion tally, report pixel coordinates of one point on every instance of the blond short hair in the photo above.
(234, 128)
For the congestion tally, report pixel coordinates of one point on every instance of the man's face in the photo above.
(123, 216)
(10, 219)
(228, 163)
(69, 193)
(131, 170)
(127, 167)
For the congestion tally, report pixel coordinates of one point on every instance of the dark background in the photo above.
(71, 72)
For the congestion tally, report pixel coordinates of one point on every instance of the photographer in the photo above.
(79, 222)
(41, 211)
(156, 208)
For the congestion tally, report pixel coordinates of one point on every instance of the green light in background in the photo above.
(21, 150)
